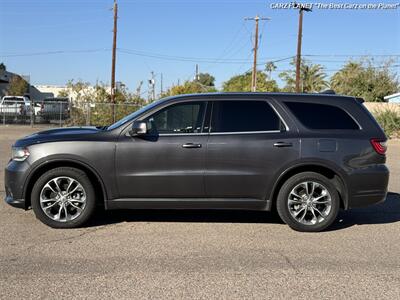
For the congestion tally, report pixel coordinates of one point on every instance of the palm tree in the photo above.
(270, 67)
(312, 77)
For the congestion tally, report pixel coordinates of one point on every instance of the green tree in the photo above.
(364, 79)
(92, 104)
(242, 83)
(312, 77)
(206, 79)
(188, 87)
(17, 86)
(3, 67)
(63, 94)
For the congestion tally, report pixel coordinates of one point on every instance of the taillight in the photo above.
(379, 146)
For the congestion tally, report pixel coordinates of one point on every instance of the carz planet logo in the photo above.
(333, 5)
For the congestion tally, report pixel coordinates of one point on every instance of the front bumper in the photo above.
(18, 203)
(14, 180)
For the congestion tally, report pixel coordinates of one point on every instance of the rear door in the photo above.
(248, 144)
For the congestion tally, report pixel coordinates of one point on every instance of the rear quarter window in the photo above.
(322, 116)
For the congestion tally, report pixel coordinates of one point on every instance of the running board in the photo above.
(190, 203)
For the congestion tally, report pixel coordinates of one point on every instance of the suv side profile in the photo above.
(308, 155)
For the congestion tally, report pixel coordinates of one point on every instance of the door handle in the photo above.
(191, 145)
(282, 144)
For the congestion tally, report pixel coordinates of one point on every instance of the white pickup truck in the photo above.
(16, 108)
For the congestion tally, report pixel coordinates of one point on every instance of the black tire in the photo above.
(282, 202)
(75, 174)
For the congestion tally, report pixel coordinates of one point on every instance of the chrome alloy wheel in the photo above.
(63, 199)
(309, 203)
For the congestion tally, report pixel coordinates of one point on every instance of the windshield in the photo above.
(133, 115)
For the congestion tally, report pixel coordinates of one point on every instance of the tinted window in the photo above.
(178, 118)
(239, 116)
(321, 116)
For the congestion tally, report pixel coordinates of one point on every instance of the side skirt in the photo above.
(190, 203)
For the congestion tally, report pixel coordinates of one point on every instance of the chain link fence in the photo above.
(64, 113)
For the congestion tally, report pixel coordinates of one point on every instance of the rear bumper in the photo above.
(368, 186)
(14, 181)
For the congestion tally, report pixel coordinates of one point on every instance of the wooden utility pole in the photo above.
(254, 74)
(114, 54)
(298, 56)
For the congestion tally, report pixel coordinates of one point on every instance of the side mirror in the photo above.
(139, 128)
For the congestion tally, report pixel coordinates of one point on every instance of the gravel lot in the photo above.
(200, 254)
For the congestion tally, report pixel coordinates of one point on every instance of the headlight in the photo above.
(19, 153)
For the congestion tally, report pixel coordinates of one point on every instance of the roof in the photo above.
(257, 94)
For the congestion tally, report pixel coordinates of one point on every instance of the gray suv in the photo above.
(307, 155)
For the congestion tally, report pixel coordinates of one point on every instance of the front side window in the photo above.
(244, 116)
(321, 116)
(178, 119)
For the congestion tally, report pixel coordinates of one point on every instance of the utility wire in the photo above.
(56, 52)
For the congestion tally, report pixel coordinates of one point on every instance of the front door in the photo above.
(169, 161)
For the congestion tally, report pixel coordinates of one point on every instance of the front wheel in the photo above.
(308, 202)
(63, 198)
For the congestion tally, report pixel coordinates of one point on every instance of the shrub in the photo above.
(389, 120)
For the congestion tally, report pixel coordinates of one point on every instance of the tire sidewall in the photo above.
(76, 174)
(283, 196)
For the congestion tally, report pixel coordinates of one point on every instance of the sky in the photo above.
(57, 40)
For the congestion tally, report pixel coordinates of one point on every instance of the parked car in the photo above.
(17, 107)
(54, 109)
(308, 155)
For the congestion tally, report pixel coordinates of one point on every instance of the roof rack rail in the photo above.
(330, 92)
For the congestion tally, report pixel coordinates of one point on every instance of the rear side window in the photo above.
(244, 116)
(321, 116)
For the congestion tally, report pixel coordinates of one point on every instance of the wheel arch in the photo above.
(323, 169)
(98, 184)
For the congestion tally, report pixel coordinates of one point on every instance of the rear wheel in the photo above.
(63, 198)
(308, 202)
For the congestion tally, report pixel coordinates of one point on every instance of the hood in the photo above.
(58, 134)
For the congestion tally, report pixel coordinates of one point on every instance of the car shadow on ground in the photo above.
(383, 213)
(386, 212)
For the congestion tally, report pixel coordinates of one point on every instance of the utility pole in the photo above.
(151, 91)
(196, 77)
(299, 37)
(114, 54)
(254, 74)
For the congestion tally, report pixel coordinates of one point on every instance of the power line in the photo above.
(350, 55)
(336, 70)
(55, 52)
(183, 58)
